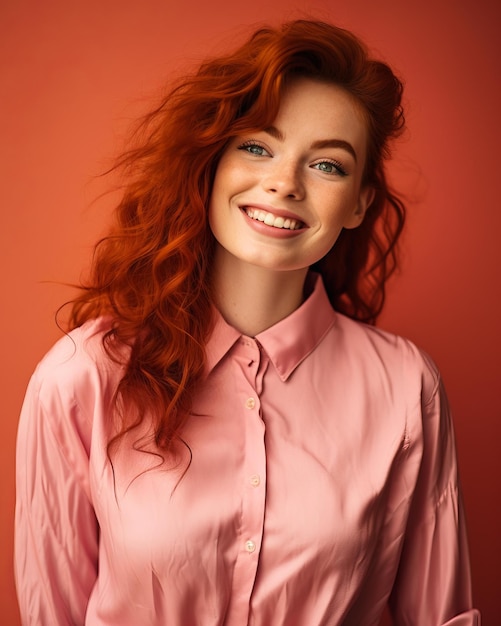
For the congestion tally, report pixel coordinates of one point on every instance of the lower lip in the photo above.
(271, 231)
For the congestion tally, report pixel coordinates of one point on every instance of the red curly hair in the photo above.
(151, 274)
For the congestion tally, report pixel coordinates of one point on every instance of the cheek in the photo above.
(330, 240)
(217, 195)
(212, 215)
(332, 228)
(218, 215)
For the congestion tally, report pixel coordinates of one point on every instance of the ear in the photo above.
(365, 198)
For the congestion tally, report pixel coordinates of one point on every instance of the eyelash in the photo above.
(335, 164)
(251, 144)
(339, 169)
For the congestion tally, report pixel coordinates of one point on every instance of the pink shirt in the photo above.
(322, 483)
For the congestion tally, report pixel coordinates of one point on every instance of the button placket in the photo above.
(248, 361)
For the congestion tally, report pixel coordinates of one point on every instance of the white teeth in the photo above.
(273, 220)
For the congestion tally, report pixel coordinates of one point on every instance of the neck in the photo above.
(252, 299)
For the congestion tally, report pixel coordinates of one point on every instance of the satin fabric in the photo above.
(316, 481)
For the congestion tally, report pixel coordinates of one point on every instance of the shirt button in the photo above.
(250, 403)
(255, 480)
(250, 546)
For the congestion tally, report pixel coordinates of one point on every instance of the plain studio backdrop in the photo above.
(73, 76)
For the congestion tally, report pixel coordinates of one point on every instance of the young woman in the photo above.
(224, 438)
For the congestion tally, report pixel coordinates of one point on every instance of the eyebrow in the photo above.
(317, 145)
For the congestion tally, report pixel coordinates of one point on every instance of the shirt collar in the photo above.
(288, 342)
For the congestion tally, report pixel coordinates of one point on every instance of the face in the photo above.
(282, 195)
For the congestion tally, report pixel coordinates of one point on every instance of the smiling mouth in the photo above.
(269, 219)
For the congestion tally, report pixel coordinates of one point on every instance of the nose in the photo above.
(284, 179)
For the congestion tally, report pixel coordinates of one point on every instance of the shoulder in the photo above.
(69, 403)
(77, 372)
(396, 357)
(79, 350)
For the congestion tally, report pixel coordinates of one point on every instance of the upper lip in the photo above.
(275, 210)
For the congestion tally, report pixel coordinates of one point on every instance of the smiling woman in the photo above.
(221, 439)
(281, 197)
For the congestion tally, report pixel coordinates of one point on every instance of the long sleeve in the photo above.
(56, 530)
(433, 584)
(288, 503)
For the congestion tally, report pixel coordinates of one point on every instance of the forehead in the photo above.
(320, 107)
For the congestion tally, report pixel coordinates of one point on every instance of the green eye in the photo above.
(326, 167)
(329, 167)
(254, 149)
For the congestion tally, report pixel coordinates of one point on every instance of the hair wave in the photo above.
(151, 273)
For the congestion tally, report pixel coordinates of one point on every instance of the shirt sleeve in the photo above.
(56, 533)
(433, 584)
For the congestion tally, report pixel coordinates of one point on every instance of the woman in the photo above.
(223, 437)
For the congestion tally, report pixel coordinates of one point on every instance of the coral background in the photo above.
(74, 74)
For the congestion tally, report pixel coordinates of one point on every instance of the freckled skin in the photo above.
(290, 176)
